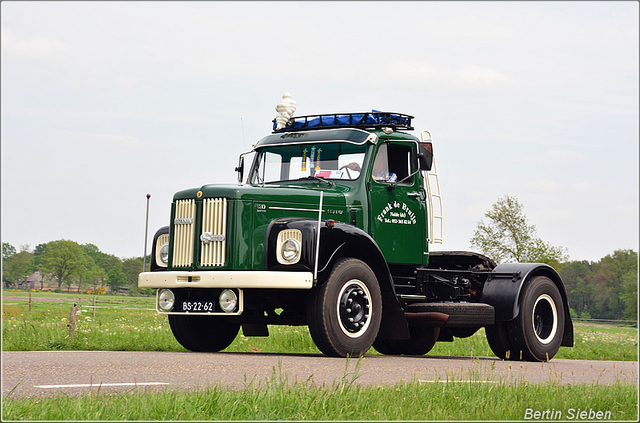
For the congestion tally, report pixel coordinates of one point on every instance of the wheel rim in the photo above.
(354, 305)
(545, 319)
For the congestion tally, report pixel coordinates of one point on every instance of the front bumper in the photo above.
(226, 279)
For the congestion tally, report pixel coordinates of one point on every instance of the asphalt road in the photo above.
(43, 373)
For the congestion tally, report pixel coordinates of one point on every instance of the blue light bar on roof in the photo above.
(374, 119)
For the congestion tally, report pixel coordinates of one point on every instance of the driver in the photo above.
(380, 172)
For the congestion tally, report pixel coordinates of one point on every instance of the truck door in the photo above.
(398, 204)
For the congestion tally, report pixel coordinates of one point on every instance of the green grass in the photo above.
(131, 324)
(135, 326)
(280, 399)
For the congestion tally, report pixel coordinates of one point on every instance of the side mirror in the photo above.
(425, 156)
(240, 169)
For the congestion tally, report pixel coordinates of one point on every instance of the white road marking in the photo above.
(87, 385)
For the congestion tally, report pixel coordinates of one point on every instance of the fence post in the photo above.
(72, 321)
(29, 301)
(94, 306)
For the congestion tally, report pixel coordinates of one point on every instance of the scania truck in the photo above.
(330, 227)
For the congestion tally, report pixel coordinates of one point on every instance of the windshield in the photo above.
(323, 160)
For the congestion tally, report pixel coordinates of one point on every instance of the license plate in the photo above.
(198, 306)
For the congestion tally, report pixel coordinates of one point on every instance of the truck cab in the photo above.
(330, 227)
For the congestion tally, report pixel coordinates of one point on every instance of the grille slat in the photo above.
(184, 233)
(214, 221)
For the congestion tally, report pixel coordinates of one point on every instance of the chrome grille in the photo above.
(184, 230)
(214, 232)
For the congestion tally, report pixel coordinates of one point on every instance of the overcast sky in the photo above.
(104, 102)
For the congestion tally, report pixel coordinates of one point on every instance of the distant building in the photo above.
(32, 281)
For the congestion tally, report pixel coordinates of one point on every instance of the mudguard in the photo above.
(339, 240)
(502, 291)
(154, 267)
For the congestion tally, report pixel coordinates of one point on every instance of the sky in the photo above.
(106, 102)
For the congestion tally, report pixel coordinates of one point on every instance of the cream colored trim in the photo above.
(162, 239)
(226, 279)
(283, 236)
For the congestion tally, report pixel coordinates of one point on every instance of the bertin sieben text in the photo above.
(570, 414)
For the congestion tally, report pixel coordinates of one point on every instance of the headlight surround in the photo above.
(289, 246)
(166, 299)
(228, 301)
(162, 250)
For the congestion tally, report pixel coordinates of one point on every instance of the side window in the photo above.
(393, 164)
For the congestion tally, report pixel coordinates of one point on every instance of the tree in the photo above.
(606, 289)
(17, 267)
(132, 268)
(507, 237)
(116, 278)
(104, 260)
(7, 250)
(65, 260)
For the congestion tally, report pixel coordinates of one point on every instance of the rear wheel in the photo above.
(422, 341)
(387, 346)
(539, 327)
(536, 333)
(203, 333)
(344, 314)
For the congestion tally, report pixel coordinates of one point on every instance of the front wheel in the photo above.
(344, 314)
(203, 333)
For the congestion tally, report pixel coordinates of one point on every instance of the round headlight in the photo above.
(164, 254)
(290, 250)
(228, 301)
(166, 300)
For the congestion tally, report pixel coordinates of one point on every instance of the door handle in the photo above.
(420, 195)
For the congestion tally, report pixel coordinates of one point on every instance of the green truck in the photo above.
(330, 227)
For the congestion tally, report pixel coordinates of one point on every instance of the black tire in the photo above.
(387, 346)
(421, 342)
(344, 314)
(203, 333)
(539, 327)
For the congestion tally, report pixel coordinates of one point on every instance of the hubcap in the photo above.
(354, 305)
(545, 319)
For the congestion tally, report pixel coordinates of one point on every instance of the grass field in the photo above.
(278, 399)
(131, 324)
(124, 323)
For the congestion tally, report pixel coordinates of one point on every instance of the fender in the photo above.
(154, 267)
(339, 240)
(502, 291)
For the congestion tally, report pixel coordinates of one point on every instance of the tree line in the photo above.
(67, 264)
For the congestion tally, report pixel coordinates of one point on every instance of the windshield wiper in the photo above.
(317, 178)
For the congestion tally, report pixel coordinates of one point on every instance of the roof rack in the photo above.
(374, 119)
